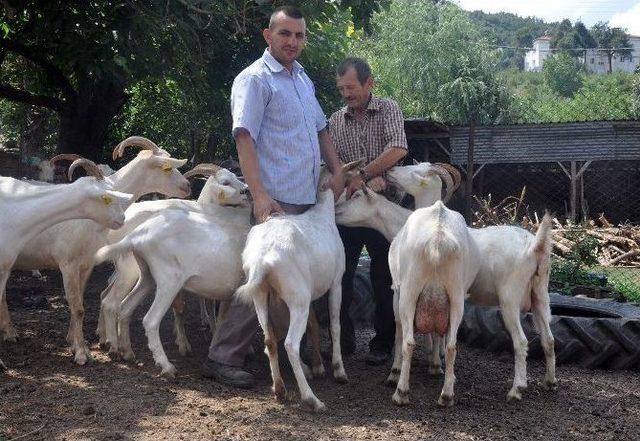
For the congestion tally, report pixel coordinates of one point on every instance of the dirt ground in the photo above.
(44, 396)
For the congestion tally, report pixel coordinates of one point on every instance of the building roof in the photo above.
(544, 37)
(580, 141)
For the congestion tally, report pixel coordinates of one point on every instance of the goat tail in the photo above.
(113, 251)
(253, 285)
(541, 246)
(439, 246)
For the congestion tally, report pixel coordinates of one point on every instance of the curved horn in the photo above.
(205, 169)
(446, 178)
(415, 161)
(90, 167)
(138, 141)
(68, 156)
(454, 172)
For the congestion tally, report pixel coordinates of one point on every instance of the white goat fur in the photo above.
(514, 274)
(27, 210)
(71, 246)
(296, 258)
(512, 259)
(221, 189)
(175, 250)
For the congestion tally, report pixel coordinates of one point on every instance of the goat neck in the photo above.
(390, 219)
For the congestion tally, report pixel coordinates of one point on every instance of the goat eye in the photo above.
(224, 183)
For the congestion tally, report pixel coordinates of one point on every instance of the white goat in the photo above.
(71, 246)
(514, 274)
(433, 262)
(175, 250)
(222, 189)
(296, 259)
(514, 269)
(28, 209)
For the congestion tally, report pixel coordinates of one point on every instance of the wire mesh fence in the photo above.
(595, 206)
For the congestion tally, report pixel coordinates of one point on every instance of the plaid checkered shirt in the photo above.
(381, 128)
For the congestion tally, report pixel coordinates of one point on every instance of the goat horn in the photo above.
(415, 161)
(454, 172)
(90, 167)
(206, 169)
(138, 141)
(446, 178)
(68, 156)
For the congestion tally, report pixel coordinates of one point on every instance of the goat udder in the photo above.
(432, 313)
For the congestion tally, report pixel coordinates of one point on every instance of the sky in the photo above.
(619, 13)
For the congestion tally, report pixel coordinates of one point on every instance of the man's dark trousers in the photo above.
(354, 238)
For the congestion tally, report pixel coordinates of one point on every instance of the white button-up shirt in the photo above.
(280, 111)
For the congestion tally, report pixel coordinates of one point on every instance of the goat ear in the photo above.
(166, 163)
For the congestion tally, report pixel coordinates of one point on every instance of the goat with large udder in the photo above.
(177, 249)
(296, 259)
(513, 274)
(221, 197)
(71, 246)
(26, 210)
(514, 269)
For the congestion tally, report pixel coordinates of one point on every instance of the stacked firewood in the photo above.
(617, 245)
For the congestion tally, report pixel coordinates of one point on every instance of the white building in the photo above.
(534, 59)
(596, 61)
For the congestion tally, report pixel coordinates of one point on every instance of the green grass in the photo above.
(625, 280)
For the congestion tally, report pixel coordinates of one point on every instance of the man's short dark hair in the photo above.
(363, 71)
(289, 11)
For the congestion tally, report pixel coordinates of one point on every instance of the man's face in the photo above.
(286, 39)
(355, 94)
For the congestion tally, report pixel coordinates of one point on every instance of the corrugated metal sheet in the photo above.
(583, 141)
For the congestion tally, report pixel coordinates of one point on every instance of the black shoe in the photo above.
(377, 357)
(228, 375)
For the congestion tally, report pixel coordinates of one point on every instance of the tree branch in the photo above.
(13, 94)
(56, 75)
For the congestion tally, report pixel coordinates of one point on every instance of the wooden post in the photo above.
(469, 184)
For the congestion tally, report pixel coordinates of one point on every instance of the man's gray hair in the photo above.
(289, 11)
(363, 71)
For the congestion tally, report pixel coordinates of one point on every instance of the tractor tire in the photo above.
(591, 333)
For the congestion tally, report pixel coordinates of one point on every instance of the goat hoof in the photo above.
(340, 378)
(445, 400)
(10, 336)
(185, 352)
(169, 371)
(279, 391)
(128, 355)
(550, 384)
(314, 405)
(81, 358)
(434, 371)
(514, 395)
(318, 371)
(401, 397)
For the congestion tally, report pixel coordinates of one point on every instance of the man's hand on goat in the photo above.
(336, 183)
(263, 206)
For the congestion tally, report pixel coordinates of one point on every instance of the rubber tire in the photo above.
(591, 342)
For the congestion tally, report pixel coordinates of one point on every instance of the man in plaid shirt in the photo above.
(373, 128)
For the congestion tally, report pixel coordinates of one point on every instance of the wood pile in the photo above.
(618, 245)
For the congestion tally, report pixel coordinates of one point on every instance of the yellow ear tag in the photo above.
(221, 195)
(106, 199)
(423, 183)
(166, 166)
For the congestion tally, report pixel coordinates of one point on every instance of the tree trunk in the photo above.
(610, 56)
(84, 124)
